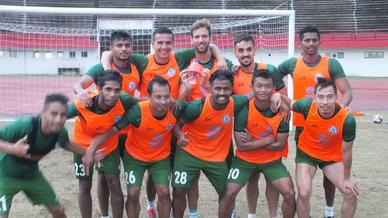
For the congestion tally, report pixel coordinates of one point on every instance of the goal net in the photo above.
(44, 50)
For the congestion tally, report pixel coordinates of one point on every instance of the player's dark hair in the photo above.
(108, 75)
(243, 37)
(222, 75)
(309, 29)
(203, 23)
(157, 80)
(120, 35)
(265, 74)
(162, 30)
(324, 83)
(55, 97)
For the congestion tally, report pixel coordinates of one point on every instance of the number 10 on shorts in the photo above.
(233, 173)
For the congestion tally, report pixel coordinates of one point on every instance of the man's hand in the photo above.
(221, 64)
(185, 78)
(20, 148)
(350, 186)
(83, 97)
(235, 68)
(276, 102)
(245, 136)
(88, 160)
(182, 139)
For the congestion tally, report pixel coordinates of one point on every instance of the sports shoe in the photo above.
(151, 213)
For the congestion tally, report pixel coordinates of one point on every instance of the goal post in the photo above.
(44, 49)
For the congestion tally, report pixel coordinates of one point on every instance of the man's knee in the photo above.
(57, 211)
(163, 192)
(85, 186)
(133, 194)
(304, 193)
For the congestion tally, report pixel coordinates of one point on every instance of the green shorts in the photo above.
(36, 188)
(109, 165)
(302, 157)
(230, 157)
(241, 171)
(187, 167)
(134, 170)
(121, 146)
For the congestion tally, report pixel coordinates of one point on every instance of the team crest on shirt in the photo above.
(317, 75)
(323, 139)
(226, 119)
(269, 128)
(213, 132)
(171, 72)
(157, 140)
(132, 85)
(118, 118)
(333, 130)
(169, 126)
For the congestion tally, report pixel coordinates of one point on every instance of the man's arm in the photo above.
(184, 87)
(75, 148)
(346, 91)
(20, 148)
(280, 143)
(217, 53)
(350, 185)
(106, 60)
(249, 144)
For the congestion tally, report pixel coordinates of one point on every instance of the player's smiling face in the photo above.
(121, 49)
(162, 45)
(220, 91)
(201, 40)
(310, 44)
(245, 53)
(54, 117)
(326, 99)
(109, 94)
(262, 88)
(160, 99)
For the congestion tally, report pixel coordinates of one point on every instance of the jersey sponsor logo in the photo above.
(118, 118)
(264, 134)
(99, 129)
(241, 84)
(226, 119)
(317, 75)
(213, 132)
(323, 139)
(269, 129)
(131, 85)
(157, 140)
(333, 130)
(171, 72)
(302, 77)
(150, 128)
(169, 126)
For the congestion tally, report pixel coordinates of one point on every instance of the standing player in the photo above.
(121, 49)
(148, 145)
(200, 39)
(167, 64)
(204, 141)
(245, 50)
(326, 141)
(261, 138)
(105, 107)
(305, 70)
(23, 143)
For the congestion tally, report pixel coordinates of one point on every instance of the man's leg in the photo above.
(133, 203)
(304, 176)
(329, 196)
(186, 167)
(109, 175)
(103, 194)
(252, 192)
(272, 196)
(335, 173)
(164, 200)
(84, 187)
(9, 187)
(116, 195)
(228, 199)
(160, 172)
(151, 195)
(193, 196)
(57, 211)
